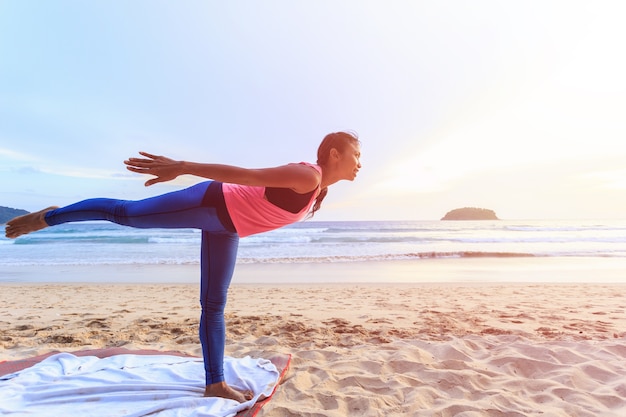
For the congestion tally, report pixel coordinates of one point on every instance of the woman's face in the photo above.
(349, 161)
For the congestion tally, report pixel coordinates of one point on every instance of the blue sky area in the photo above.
(514, 106)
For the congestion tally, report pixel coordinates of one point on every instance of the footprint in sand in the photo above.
(98, 323)
(379, 321)
(61, 339)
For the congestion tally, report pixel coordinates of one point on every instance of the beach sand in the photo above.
(430, 349)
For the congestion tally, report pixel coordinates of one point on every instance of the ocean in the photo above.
(515, 249)
(101, 243)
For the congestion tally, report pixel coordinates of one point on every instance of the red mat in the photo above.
(281, 362)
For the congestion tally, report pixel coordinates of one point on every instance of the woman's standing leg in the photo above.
(218, 256)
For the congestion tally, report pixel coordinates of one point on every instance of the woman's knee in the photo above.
(213, 306)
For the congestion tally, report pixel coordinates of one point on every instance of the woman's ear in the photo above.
(334, 153)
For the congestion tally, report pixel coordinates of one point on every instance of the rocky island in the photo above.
(470, 213)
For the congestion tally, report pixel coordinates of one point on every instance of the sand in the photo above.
(440, 349)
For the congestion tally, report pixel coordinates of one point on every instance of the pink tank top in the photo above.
(251, 213)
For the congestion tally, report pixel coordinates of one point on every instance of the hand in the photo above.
(164, 169)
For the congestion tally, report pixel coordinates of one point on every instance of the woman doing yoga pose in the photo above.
(237, 202)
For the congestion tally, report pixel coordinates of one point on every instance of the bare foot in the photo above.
(220, 389)
(27, 223)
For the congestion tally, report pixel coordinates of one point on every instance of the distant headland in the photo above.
(470, 213)
(7, 213)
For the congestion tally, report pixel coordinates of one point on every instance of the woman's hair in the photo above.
(339, 141)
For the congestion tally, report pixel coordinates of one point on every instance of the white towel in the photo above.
(129, 386)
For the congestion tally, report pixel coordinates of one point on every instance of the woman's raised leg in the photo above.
(178, 209)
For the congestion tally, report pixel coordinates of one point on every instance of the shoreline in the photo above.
(464, 270)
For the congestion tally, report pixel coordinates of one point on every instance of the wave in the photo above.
(132, 239)
(384, 229)
(418, 256)
(537, 239)
(386, 257)
(263, 239)
(95, 239)
(572, 228)
(314, 259)
(175, 240)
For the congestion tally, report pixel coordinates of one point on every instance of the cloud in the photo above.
(68, 172)
(16, 155)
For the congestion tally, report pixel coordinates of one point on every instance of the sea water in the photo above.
(515, 250)
(101, 243)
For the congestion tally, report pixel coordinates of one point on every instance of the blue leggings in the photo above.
(180, 209)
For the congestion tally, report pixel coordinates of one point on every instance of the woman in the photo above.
(238, 202)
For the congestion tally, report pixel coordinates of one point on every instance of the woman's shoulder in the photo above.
(315, 166)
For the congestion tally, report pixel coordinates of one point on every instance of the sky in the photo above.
(518, 107)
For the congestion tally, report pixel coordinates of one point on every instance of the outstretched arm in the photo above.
(299, 178)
